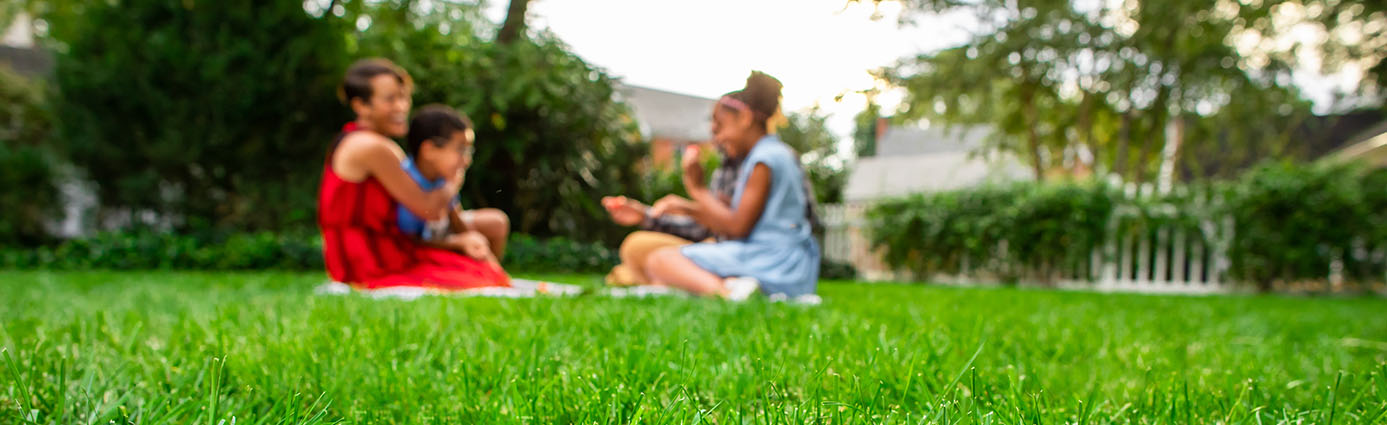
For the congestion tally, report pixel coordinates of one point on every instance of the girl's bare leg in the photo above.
(668, 266)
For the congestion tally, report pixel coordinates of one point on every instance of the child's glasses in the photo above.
(466, 150)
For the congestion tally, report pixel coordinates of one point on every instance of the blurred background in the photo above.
(1178, 145)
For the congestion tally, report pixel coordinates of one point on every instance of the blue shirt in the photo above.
(412, 224)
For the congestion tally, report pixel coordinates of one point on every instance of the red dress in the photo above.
(363, 246)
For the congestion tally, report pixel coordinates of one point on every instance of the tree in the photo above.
(965, 85)
(514, 26)
(9, 11)
(809, 135)
(864, 134)
(27, 168)
(1126, 86)
(1355, 36)
(213, 112)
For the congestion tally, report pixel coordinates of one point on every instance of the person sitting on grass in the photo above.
(676, 230)
(364, 182)
(440, 143)
(770, 242)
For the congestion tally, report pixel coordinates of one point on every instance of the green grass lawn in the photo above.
(162, 347)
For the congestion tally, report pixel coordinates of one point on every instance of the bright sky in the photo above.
(819, 49)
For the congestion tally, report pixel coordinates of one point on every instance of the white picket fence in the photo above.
(1154, 260)
(1165, 260)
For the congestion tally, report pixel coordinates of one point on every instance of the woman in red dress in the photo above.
(362, 183)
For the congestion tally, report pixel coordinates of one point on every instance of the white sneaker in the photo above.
(740, 288)
(806, 299)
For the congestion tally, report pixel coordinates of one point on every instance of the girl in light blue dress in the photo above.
(767, 241)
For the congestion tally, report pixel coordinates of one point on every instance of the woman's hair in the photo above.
(761, 97)
(357, 82)
(434, 124)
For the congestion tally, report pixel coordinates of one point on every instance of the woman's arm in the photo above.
(374, 157)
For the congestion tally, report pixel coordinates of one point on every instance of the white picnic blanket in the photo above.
(520, 288)
(524, 288)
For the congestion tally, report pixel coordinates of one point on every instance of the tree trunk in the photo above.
(1032, 138)
(1124, 137)
(1086, 130)
(1144, 153)
(514, 26)
(1159, 108)
(1170, 154)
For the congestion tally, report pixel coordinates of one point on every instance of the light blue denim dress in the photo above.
(780, 251)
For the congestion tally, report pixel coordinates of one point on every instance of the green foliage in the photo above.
(833, 270)
(181, 108)
(1009, 231)
(659, 182)
(809, 135)
(1375, 203)
(526, 254)
(148, 250)
(28, 192)
(9, 10)
(24, 116)
(1058, 226)
(864, 134)
(1291, 221)
(216, 111)
(159, 348)
(28, 169)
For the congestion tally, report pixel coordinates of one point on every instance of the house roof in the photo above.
(1315, 138)
(914, 160)
(26, 61)
(891, 176)
(1369, 146)
(897, 141)
(668, 115)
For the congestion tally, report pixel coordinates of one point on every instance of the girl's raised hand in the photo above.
(693, 168)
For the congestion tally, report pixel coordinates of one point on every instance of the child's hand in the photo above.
(454, 182)
(624, 211)
(693, 168)
(672, 204)
(473, 244)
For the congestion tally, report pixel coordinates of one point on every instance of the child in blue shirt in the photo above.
(440, 144)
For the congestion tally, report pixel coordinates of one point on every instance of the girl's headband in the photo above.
(730, 102)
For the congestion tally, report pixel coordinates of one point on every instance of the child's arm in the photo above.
(455, 223)
(708, 210)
